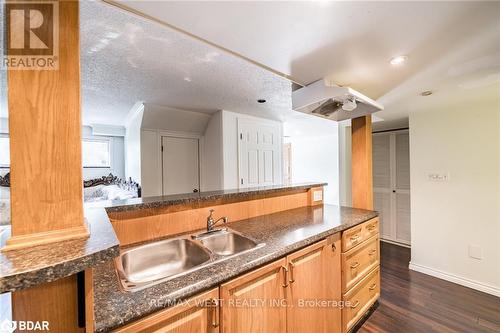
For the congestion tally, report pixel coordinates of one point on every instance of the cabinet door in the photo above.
(314, 275)
(255, 302)
(197, 315)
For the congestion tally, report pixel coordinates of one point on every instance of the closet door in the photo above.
(402, 187)
(391, 185)
(382, 188)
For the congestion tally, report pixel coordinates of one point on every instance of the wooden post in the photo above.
(362, 178)
(46, 169)
(45, 144)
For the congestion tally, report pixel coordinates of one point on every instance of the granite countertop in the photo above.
(23, 268)
(283, 233)
(189, 198)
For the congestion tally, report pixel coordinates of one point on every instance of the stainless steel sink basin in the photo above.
(159, 260)
(146, 265)
(226, 243)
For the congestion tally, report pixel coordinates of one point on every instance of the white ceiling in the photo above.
(125, 59)
(352, 42)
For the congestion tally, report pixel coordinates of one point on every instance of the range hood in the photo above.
(332, 102)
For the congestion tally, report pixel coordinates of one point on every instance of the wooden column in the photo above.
(45, 144)
(362, 178)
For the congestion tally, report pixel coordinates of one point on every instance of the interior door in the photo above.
(259, 153)
(401, 188)
(181, 166)
(391, 184)
(382, 188)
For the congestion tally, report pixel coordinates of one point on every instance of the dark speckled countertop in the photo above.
(283, 233)
(190, 198)
(29, 267)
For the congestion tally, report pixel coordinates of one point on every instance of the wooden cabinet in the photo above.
(313, 275)
(256, 302)
(359, 261)
(360, 298)
(360, 271)
(358, 234)
(297, 294)
(197, 315)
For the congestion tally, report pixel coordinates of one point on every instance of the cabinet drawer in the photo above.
(360, 298)
(356, 235)
(357, 262)
(370, 228)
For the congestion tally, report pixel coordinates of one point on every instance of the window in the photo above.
(96, 153)
(4, 152)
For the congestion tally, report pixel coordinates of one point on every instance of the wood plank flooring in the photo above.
(413, 302)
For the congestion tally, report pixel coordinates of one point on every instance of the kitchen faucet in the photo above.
(211, 222)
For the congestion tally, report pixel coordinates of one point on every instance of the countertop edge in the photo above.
(179, 199)
(51, 263)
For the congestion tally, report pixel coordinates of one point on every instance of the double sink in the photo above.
(149, 264)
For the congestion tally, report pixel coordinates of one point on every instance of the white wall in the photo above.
(117, 156)
(169, 119)
(345, 165)
(212, 168)
(151, 178)
(315, 153)
(447, 217)
(133, 146)
(230, 146)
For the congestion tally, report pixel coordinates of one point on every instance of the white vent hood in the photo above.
(330, 101)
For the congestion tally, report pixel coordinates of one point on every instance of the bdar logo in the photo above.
(30, 28)
(8, 326)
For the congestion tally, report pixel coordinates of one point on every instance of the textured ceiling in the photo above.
(351, 42)
(125, 59)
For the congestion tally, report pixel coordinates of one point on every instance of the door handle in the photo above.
(292, 279)
(285, 276)
(214, 306)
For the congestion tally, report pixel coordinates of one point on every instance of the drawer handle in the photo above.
(355, 305)
(372, 252)
(285, 276)
(355, 238)
(291, 266)
(373, 286)
(355, 265)
(371, 227)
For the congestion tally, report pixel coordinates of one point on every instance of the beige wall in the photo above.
(448, 217)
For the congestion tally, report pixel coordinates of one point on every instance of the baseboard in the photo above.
(395, 243)
(495, 291)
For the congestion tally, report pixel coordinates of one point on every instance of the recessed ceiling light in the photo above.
(187, 79)
(261, 101)
(399, 60)
(426, 93)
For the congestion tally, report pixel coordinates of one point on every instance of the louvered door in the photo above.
(391, 182)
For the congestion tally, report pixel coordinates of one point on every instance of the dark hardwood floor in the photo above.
(413, 302)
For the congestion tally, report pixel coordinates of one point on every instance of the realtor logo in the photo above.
(32, 33)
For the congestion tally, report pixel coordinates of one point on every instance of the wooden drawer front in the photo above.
(370, 228)
(357, 262)
(360, 298)
(352, 237)
(356, 235)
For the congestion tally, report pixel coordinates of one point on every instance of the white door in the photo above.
(259, 153)
(181, 167)
(391, 184)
